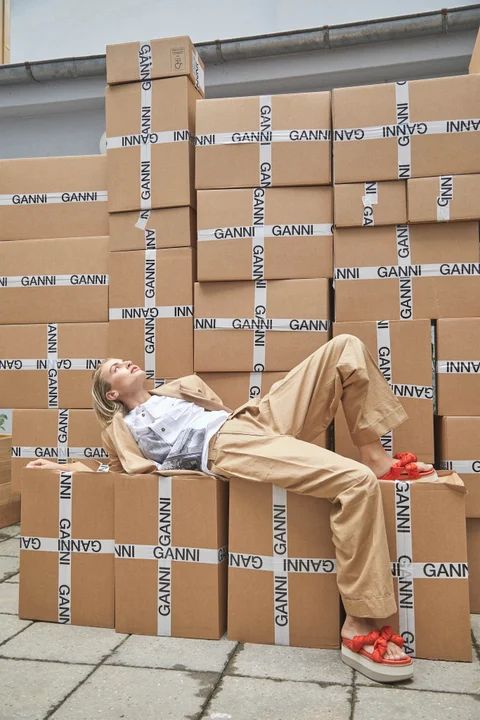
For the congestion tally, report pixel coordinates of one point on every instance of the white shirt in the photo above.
(174, 433)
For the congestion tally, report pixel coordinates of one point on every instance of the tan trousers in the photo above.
(270, 440)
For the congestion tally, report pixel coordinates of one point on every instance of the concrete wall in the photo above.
(43, 29)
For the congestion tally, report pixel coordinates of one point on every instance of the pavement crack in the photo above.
(235, 651)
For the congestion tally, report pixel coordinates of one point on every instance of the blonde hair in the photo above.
(105, 409)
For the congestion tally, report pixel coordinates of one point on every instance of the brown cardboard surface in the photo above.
(235, 388)
(458, 448)
(474, 66)
(412, 145)
(87, 597)
(247, 234)
(166, 179)
(50, 433)
(439, 596)
(444, 199)
(53, 197)
(32, 289)
(163, 594)
(473, 548)
(391, 292)
(27, 379)
(293, 158)
(162, 58)
(152, 229)
(262, 607)
(458, 366)
(250, 310)
(370, 203)
(157, 334)
(9, 506)
(406, 363)
(5, 460)
(9, 502)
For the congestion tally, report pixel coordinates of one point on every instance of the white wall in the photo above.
(45, 29)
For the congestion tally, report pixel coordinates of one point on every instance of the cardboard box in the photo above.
(53, 197)
(9, 506)
(370, 203)
(151, 314)
(50, 366)
(9, 503)
(150, 151)
(405, 129)
(282, 586)
(59, 280)
(57, 435)
(263, 140)
(257, 326)
(162, 58)
(474, 66)
(403, 352)
(458, 366)
(473, 548)
(405, 272)
(235, 388)
(426, 533)
(152, 229)
(170, 555)
(66, 548)
(265, 233)
(458, 450)
(443, 199)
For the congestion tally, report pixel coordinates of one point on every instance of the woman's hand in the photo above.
(46, 465)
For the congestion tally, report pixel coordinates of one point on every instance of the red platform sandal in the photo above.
(405, 467)
(373, 664)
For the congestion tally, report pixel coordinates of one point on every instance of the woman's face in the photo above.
(124, 377)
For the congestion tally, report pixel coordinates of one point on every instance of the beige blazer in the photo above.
(123, 451)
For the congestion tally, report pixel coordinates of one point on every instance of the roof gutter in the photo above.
(297, 41)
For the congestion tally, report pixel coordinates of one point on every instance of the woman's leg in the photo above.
(257, 444)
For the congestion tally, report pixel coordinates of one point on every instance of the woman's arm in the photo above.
(114, 464)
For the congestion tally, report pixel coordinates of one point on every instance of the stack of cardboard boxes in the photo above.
(170, 535)
(150, 120)
(406, 250)
(262, 304)
(264, 250)
(54, 306)
(153, 546)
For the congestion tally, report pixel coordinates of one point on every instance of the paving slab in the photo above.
(64, 643)
(290, 663)
(243, 698)
(30, 689)
(8, 567)
(10, 625)
(10, 547)
(117, 692)
(8, 532)
(9, 598)
(174, 653)
(399, 703)
(13, 579)
(438, 675)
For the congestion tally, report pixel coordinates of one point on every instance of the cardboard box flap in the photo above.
(449, 479)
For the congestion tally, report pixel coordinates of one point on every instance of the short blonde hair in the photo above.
(105, 409)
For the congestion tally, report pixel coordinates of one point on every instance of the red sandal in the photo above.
(405, 467)
(373, 664)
